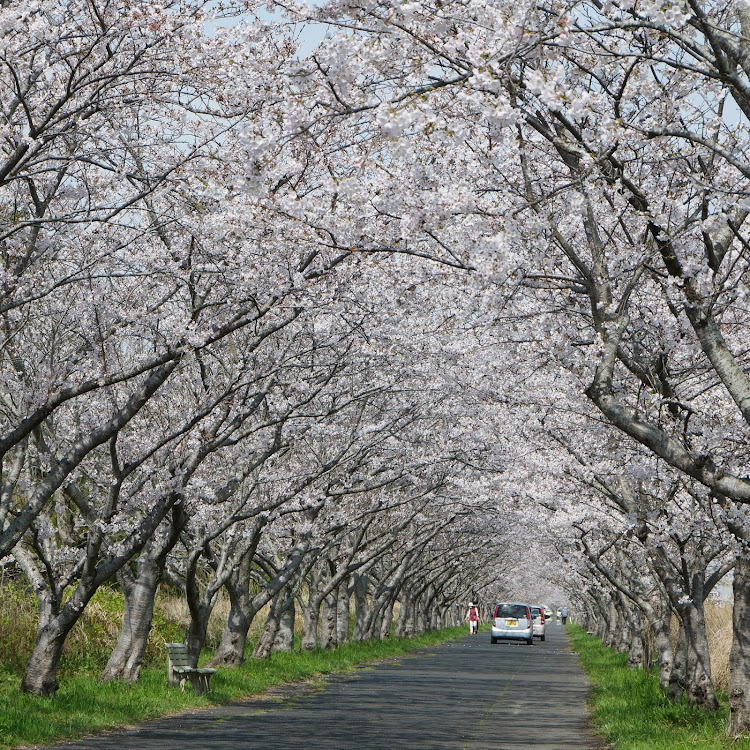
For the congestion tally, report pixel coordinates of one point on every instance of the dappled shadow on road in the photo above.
(468, 694)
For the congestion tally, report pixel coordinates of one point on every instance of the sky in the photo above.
(309, 34)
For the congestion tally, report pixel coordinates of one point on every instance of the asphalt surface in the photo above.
(463, 695)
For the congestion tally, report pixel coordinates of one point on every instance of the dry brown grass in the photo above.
(175, 609)
(719, 632)
(719, 628)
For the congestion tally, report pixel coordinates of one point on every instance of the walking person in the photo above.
(472, 615)
(564, 615)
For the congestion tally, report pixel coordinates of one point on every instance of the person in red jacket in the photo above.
(472, 615)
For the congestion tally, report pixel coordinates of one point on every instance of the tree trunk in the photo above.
(231, 651)
(700, 687)
(624, 624)
(434, 615)
(678, 675)
(739, 656)
(600, 618)
(386, 620)
(636, 652)
(636, 647)
(360, 607)
(403, 613)
(40, 676)
(612, 641)
(282, 580)
(373, 632)
(328, 630)
(376, 613)
(410, 624)
(419, 617)
(284, 640)
(267, 638)
(311, 620)
(126, 660)
(660, 627)
(405, 624)
(311, 609)
(342, 614)
(196, 632)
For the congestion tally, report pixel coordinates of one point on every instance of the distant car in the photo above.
(559, 612)
(537, 616)
(512, 621)
(548, 613)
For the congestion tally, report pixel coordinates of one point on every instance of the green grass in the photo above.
(630, 711)
(83, 705)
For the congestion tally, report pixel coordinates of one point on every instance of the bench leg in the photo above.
(196, 681)
(201, 683)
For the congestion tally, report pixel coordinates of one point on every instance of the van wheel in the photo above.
(493, 640)
(531, 641)
(542, 638)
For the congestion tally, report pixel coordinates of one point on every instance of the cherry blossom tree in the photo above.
(594, 158)
(358, 325)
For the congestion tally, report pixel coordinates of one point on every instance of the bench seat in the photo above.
(179, 670)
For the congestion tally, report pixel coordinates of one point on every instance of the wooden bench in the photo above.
(179, 671)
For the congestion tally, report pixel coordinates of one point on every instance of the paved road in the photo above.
(464, 695)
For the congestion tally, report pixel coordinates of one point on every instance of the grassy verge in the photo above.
(631, 712)
(83, 705)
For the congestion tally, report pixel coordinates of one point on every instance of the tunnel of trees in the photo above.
(348, 312)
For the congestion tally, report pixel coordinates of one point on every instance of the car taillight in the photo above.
(541, 616)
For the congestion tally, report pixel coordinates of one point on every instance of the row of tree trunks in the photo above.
(684, 670)
(374, 596)
(265, 643)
